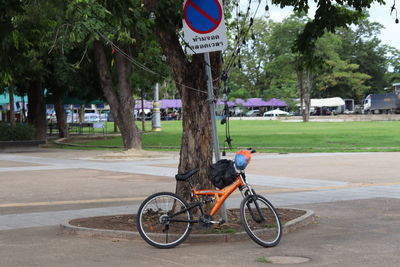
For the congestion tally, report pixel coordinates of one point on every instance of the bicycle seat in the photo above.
(186, 175)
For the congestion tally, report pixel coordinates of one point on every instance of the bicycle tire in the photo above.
(260, 220)
(152, 221)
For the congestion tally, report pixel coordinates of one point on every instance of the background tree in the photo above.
(393, 75)
(8, 73)
(281, 69)
(328, 16)
(31, 30)
(342, 68)
(125, 26)
(338, 77)
(248, 75)
(362, 46)
(72, 79)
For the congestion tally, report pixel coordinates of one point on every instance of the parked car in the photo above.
(92, 117)
(253, 113)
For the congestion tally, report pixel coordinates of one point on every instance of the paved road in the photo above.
(354, 193)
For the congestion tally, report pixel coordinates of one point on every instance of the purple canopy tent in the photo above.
(251, 102)
(146, 104)
(275, 102)
(255, 102)
(170, 103)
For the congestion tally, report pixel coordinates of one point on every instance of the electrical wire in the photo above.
(240, 40)
(142, 66)
(393, 8)
(241, 37)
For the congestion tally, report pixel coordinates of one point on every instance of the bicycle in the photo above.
(165, 220)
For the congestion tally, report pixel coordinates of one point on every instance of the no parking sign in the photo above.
(204, 26)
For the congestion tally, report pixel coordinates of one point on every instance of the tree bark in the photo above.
(307, 93)
(196, 145)
(81, 113)
(61, 117)
(12, 102)
(37, 109)
(121, 103)
(304, 78)
(23, 117)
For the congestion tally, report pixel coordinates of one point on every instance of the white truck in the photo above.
(382, 103)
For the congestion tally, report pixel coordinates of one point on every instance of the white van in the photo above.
(91, 116)
(253, 113)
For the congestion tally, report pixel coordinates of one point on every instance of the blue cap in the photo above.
(240, 162)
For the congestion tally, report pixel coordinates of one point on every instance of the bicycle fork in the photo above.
(252, 200)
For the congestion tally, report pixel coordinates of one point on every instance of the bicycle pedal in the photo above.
(221, 222)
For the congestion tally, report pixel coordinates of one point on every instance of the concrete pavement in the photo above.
(350, 233)
(355, 194)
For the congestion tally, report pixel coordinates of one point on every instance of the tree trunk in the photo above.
(304, 79)
(196, 146)
(307, 93)
(81, 113)
(37, 109)
(12, 110)
(23, 117)
(122, 104)
(191, 81)
(61, 117)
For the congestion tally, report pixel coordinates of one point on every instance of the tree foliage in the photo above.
(328, 16)
(353, 62)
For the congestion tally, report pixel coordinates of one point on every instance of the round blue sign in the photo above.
(203, 16)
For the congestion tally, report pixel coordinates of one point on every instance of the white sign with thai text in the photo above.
(204, 26)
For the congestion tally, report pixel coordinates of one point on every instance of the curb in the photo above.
(21, 145)
(66, 228)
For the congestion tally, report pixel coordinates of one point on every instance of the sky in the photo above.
(378, 13)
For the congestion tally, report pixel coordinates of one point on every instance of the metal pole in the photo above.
(142, 101)
(156, 110)
(213, 121)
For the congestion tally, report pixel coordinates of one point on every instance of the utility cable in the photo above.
(241, 38)
(142, 66)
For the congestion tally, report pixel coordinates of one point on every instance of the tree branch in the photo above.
(169, 42)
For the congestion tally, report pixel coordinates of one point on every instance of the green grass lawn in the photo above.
(277, 136)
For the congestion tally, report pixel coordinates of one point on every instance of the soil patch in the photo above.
(127, 222)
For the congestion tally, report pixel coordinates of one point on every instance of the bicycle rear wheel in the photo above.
(158, 222)
(260, 220)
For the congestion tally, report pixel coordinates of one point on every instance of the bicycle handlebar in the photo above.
(251, 150)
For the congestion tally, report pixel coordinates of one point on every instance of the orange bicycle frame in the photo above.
(220, 195)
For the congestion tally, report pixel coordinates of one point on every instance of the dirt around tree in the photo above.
(127, 222)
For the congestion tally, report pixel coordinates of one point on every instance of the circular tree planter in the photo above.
(92, 227)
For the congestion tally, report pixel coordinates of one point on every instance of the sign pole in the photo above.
(156, 110)
(213, 121)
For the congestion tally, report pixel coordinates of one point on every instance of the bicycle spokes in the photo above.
(260, 220)
(164, 220)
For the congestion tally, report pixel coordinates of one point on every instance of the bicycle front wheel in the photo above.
(260, 220)
(162, 220)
